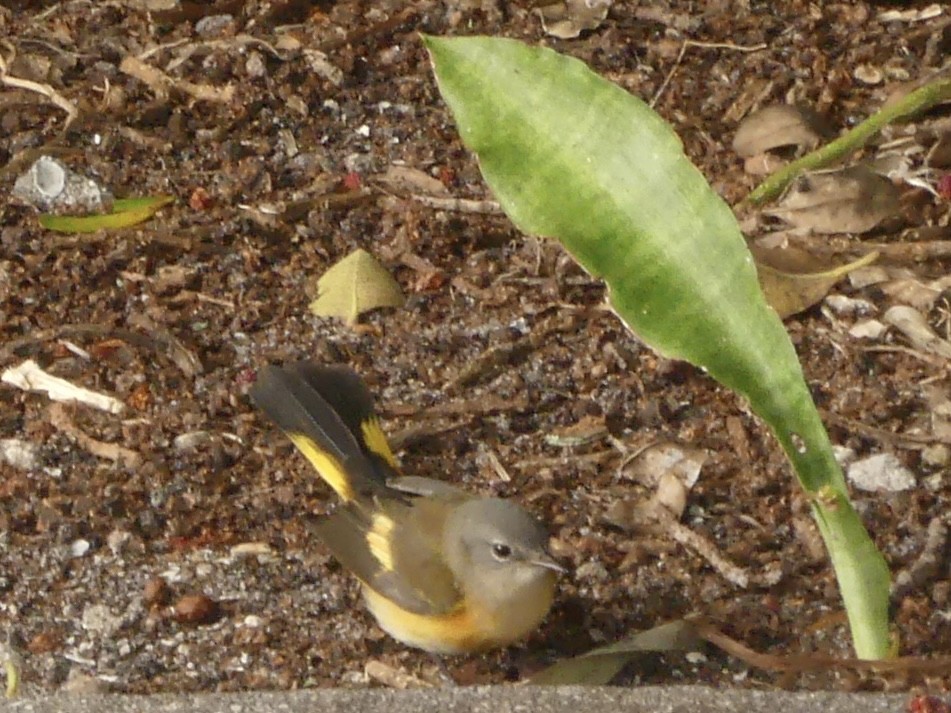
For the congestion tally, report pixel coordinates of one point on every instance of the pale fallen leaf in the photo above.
(30, 377)
(599, 666)
(778, 125)
(652, 463)
(868, 276)
(852, 200)
(792, 283)
(670, 471)
(914, 326)
(906, 288)
(568, 19)
(355, 285)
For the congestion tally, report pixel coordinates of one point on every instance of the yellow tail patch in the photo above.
(328, 467)
(375, 440)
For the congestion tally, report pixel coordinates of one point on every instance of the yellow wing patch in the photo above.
(375, 440)
(380, 540)
(327, 466)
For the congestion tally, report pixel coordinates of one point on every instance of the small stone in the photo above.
(156, 592)
(197, 609)
(79, 683)
(936, 456)
(99, 619)
(867, 74)
(19, 453)
(591, 570)
(882, 472)
(867, 329)
(79, 548)
(44, 642)
(117, 540)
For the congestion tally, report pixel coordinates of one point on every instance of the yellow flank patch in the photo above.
(327, 466)
(380, 540)
(376, 441)
(459, 631)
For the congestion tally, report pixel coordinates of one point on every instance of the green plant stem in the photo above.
(917, 101)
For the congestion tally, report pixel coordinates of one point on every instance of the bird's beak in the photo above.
(543, 559)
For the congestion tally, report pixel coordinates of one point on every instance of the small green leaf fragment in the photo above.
(152, 203)
(13, 678)
(355, 285)
(126, 212)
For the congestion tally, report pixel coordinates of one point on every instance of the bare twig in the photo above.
(928, 564)
(160, 82)
(902, 440)
(45, 89)
(694, 43)
(60, 420)
(461, 205)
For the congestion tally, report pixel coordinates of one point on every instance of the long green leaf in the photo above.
(571, 156)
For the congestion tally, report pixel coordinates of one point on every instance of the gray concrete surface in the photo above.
(486, 699)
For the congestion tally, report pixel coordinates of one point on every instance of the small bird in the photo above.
(442, 570)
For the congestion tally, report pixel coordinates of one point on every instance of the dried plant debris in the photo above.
(881, 473)
(30, 377)
(669, 470)
(406, 180)
(568, 19)
(904, 287)
(355, 285)
(940, 406)
(914, 15)
(850, 200)
(777, 126)
(793, 280)
(914, 326)
(51, 186)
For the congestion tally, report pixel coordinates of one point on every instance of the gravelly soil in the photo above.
(173, 317)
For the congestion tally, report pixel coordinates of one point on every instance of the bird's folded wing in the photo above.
(396, 550)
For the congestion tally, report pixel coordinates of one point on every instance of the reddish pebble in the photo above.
(197, 609)
(200, 200)
(44, 643)
(156, 592)
(351, 181)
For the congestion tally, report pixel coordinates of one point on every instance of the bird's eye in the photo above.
(501, 551)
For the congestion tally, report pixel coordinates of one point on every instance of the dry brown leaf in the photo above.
(851, 200)
(671, 470)
(355, 285)
(405, 179)
(661, 458)
(793, 280)
(568, 19)
(778, 125)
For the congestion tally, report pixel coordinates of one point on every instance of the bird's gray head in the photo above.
(494, 548)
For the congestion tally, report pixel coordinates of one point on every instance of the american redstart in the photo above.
(442, 570)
